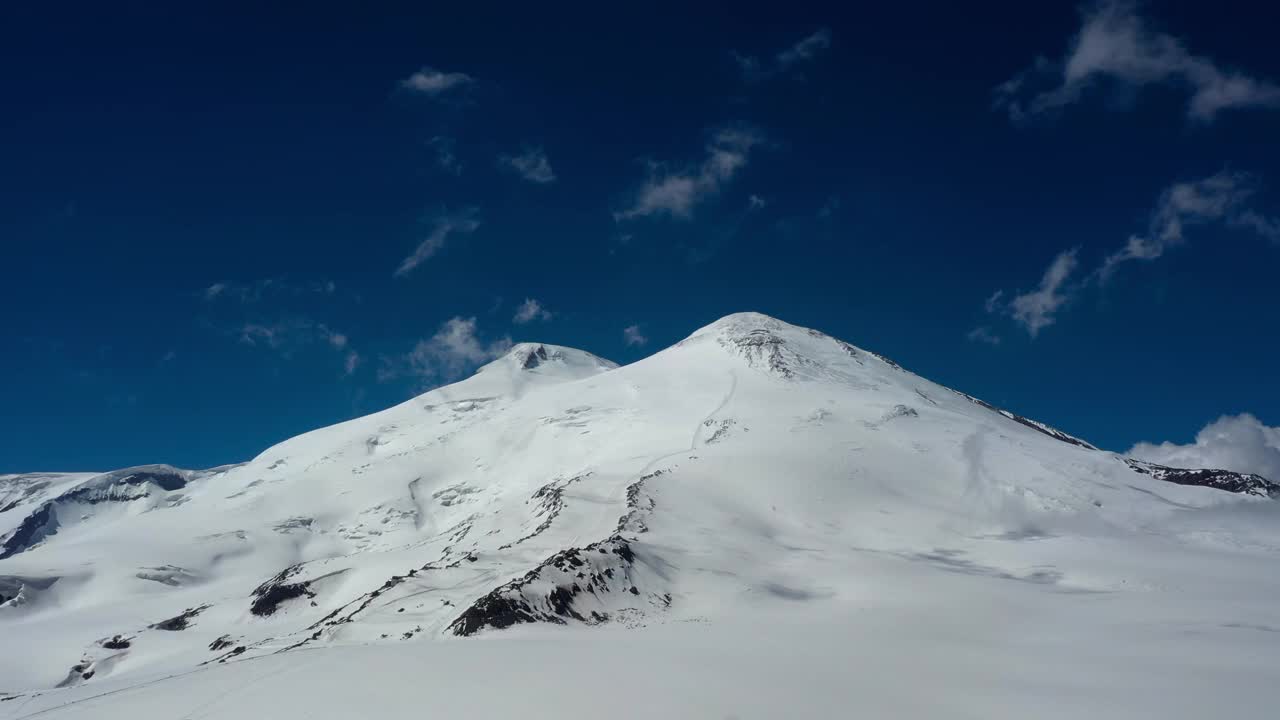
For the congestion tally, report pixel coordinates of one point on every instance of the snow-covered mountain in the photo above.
(758, 479)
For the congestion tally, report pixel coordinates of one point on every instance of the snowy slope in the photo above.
(757, 480)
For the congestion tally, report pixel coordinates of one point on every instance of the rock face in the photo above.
(754, 463)
(590, 585)
(1244, 483)
(121, 486)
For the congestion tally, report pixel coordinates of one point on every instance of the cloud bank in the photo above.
(1240, 443)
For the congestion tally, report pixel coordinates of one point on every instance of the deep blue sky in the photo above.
(150, 153)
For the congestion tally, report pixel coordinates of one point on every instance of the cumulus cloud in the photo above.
(442, 226)
(675, 194)
(529, 311)
(1116, 45)
(633, 337)
(531, 164)
(806, 49)
(455, 348)
(1037, 309)
(431, 82)
(1240, 443)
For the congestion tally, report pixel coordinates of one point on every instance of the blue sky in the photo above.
(226, 224)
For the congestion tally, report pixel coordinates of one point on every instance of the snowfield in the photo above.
(761, 521)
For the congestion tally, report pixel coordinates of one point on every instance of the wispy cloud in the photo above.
(1222, 198)
(1037, 309)
(531, 164)
(529, 311)
(287, 334)
(1218, 198)
(351, 362)
(431, 82)
(290, 335)
(633, 337)
(806, 49)
(675, 194)
(445, 149)
(256, 290)
(455, 348)
(442, 226)
(1115, 44)
(983, 335)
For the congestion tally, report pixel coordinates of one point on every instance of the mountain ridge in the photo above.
(754, 461)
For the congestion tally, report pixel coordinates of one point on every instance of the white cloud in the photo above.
(531, 164)
(1036, 310)
(289, 335)
(256, 290)
(632, 336)
(983, 335)
(454, 348)
(443, 226)
(993, 303)
(1221, 198)
(432, 82)
(755, 202)
(351, 362)
(1240, 443)
(529, 311)
(806, 49)
(1116, 44)
(260, 334)
(1217, 198)
(675, 194)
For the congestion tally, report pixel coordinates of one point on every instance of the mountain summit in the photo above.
(752, 469)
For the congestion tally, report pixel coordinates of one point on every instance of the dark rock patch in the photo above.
(34, 528)
(1241, 483)
(221, 643)
(601, 570)
(179, 622)
(550, 499)
(269, 596)
(118, 642)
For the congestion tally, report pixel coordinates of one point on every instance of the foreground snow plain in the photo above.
(759, 522)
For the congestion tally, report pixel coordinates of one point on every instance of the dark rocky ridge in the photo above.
(268, 596)
(600, 569)
(118, 486)
(1243, 483)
